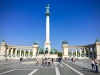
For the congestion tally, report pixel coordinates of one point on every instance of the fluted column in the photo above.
(72, 52)
(28, 53)
(80, 52)
(7, 51)
(12, 52)
(93, 52)
(24, 52)
(89, 52)
(16, 52)
(76, 52)
(20, 52)
(84, 52)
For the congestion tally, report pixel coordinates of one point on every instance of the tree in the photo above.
(59, 54)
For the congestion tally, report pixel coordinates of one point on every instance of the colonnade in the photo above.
(82, 52)
(18, 52)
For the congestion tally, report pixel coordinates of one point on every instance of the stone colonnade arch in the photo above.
(81, 52)
(15, 52)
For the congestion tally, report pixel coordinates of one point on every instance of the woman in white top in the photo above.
(92, 64)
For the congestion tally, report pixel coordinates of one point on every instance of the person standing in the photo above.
(96, 65)
(42, 61)
(52, 60)
(93, 64)
(37, 60)
(49, 64)
(45, 62)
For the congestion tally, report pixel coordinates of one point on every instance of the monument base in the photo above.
(47, 56)
(48, 46)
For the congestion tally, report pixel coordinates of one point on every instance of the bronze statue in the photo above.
(65, 42)
(35, 43)
(97, 40)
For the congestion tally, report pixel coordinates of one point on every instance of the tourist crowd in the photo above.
(47, 61)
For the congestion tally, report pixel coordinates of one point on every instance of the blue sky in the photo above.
(24, 21)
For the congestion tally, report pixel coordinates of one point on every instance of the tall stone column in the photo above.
(47, 44)
(89, 52)
(11, 52)
(80, 52)
(24, 52)
(7, 51)
(92, 52)
(16, 52)
(2, 50)
(28, 53)
(97, 45)
(20, 52)
(76, 53)
(84, 52)
(72, 53)
(65, 50)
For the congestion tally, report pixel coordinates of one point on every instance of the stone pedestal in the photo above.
(47, 45)
(35, 50)
(97, 44)
(65, 50)
(2, 51)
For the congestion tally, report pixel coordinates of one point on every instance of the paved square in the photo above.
(30, 68)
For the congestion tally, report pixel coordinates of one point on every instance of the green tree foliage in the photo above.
(59, 54)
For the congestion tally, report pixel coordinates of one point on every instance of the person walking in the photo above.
(45, 62)
(49, 64)
(37, 60)
(96, 65)
(59, 59)
(52, 60)
(42, 61)
(92, 64)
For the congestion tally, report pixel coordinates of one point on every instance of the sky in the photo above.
(24, 21)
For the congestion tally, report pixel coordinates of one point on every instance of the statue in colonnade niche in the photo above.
(41, 51)
(64, 42)
(53, 51)
(35, 42)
